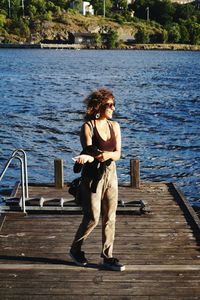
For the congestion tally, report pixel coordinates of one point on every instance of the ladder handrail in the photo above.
(19, 154)
(17, 151)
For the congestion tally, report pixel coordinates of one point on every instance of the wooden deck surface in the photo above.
(161, 251)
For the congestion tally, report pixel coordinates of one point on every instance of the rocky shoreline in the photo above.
(173, 47)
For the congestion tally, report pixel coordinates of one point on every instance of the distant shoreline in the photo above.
(173, 47)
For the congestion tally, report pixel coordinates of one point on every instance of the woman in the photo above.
(101, 139)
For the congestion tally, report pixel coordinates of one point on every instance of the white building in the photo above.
(87, 8)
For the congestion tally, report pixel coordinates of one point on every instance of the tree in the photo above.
(142, 36)
(121, 5)
(194, 32)
(98, 6)
(184, 12)
(24, 28)
(48, 16)
(112, 39)
(77, 5)
(40, 5)
(159, 37)
(98, 40)
(185, 36)
(16, 10)
(53, 8)
(161, 11)
(174, 35)
(31, 10)
(164, 36)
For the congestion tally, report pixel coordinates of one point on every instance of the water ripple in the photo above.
(158, 107)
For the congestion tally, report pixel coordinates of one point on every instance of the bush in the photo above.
(185, 36)
(48, 16)
(142, 36)
(31, 11)
(194, 32)
(112, 40)
(24, 28)
(98, 40)
(164, 36)
(174, 35)
(2, 20)
(119, 19)
(159, 37)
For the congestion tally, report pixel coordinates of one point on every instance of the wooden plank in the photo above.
(120, 290)
(93, 267)
(191, 214)
(160, 251)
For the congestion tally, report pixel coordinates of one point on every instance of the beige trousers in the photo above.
(103, 201)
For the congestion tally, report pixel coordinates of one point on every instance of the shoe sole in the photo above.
(77, 262)
(114, 268)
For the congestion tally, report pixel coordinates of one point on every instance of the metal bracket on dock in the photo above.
(134, 205)
(43, 204)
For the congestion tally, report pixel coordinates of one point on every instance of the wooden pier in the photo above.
(160, 248)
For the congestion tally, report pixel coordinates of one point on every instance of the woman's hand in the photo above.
(103, 156)
(83, 158)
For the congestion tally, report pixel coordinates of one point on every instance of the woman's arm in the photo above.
(86, 140)
(86, 136)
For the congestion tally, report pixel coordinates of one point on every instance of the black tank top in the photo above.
(109, 145)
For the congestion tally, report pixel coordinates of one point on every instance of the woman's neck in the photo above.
(102, 120)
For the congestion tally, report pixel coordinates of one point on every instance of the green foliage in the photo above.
(31, 10)
(142, 36)
(122, 5)
(53, 8)
(164, 36)
(194, 32)
(174, 35)
(2, 20)
(98, 6)
(77, 5)
(24, 28)
(181, 22)
(20, 27)
(48, 16)
(112, 39)
(185, 36)
(98, 40)
(119, 18)
(184, 12)
(160, 11)
(159, 37)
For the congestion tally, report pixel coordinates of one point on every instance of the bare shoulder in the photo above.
(115, 125)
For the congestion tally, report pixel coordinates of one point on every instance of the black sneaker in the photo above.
(79, 258)
(113, 264)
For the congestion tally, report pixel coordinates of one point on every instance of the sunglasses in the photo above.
(109, 105)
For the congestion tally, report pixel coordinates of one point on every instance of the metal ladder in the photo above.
(20, 155)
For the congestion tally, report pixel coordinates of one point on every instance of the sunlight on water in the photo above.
(158, 108)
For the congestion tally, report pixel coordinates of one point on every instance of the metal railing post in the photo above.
(20, 154)
(25, 169)
(22, 183)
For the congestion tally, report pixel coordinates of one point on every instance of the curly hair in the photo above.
(95, 102)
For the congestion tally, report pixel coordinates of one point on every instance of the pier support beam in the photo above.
(58, 173)
(135, 173)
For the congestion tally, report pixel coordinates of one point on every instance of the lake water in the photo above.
(158, 108)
